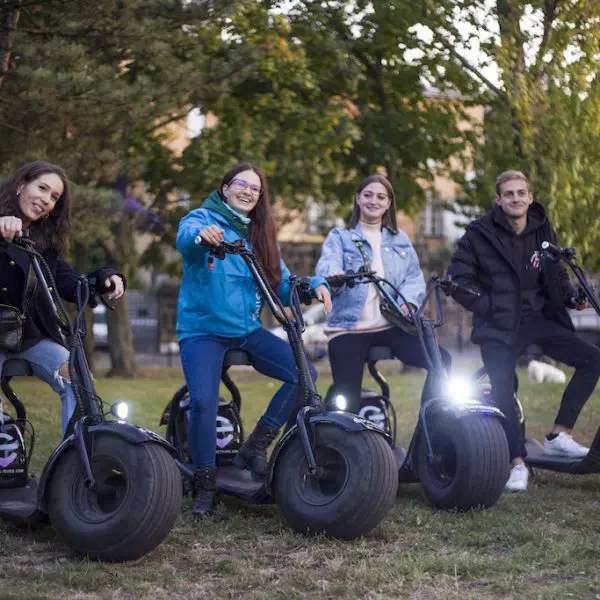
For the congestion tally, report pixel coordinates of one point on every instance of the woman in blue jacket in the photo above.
(219, 308)
(356, 322)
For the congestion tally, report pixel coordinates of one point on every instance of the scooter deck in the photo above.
(577, 466)
(21, 503)
(235, 482)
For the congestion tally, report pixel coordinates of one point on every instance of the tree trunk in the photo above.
(122, 256)
(120, 341)
(10, 19)
(81, 266)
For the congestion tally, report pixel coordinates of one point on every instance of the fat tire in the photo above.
(144, 517)
(366, 497)
(481, 468)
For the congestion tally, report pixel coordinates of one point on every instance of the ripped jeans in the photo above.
(46, 357)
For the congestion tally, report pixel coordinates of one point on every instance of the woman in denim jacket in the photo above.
(219, 308)
(355, 322)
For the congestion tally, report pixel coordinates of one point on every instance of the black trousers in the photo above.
(557, 342)
(348, 353)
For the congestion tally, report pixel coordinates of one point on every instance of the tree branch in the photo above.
(469, 67)
(6, 45)
(550, 7)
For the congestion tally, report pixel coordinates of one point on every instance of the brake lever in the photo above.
(105, 302)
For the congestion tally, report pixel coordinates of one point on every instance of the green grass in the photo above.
(541, 544)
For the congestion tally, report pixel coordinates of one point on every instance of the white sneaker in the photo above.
(564, 445)
(517, 481)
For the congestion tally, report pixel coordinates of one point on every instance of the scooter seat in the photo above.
(377, 353)
(16, 367)
(236, 357)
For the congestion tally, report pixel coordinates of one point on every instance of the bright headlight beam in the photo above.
(460, 389)
(120, 410)
(340, 402)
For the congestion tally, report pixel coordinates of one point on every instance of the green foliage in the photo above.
(543, 117)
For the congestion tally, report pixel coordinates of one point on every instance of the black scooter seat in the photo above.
(16, 367)
(576, 466)
(21, 503)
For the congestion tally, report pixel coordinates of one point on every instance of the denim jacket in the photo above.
(400, 265)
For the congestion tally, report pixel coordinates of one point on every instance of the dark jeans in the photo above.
(202, 360)
(348, 353)
(557, 342)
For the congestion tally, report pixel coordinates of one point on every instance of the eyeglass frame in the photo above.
(246, 186)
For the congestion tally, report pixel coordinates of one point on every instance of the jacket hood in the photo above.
(536, 218)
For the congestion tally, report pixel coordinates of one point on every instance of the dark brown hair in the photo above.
(389, 218)
(263, 236)
(48, 233)
(509, 176)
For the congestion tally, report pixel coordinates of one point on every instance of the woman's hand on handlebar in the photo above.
(211, 235)
(408, 310)
(323, 295)
(11, 228)
(115, 283)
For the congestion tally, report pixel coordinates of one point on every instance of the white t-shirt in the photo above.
(371, 318)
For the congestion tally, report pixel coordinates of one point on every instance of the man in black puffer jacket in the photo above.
(524, 297)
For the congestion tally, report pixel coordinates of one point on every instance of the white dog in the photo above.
(539, 372)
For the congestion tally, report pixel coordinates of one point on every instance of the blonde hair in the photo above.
(509, 176)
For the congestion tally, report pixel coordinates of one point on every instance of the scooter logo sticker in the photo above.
(373, 414)
(224, 432)
(11, 444)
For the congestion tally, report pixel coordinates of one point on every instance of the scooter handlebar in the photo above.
(348, 278)
(450, 287)
(558, 252)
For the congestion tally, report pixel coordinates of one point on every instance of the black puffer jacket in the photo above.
(14, 265)
(482, 262)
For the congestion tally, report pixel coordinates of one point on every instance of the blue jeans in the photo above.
(46, 357)
(202, 360)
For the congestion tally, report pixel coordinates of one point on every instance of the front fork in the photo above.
(82, 442)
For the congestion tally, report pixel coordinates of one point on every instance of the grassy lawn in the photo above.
(541, 544)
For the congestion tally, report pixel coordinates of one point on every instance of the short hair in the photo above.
(509, 176)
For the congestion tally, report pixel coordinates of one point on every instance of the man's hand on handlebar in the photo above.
(211, 235)
(11, 228)
(323, 295)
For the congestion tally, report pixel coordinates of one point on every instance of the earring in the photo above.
(45, 216)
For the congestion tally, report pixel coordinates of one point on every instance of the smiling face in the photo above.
(514, 198)
(38, 197)
(243, 192)
(373, 202)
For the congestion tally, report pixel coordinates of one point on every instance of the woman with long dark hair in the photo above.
(37, 197)
(371, 238)
(219, 308)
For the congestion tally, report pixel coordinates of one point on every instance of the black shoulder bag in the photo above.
(12, 319)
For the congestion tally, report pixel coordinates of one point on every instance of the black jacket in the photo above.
(483, 263)
(14, 265)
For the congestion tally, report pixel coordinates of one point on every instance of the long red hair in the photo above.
(263, 235)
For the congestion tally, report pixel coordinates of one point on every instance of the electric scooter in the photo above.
(458, 451)
(111, 489)
(329, 472)
(535, 458)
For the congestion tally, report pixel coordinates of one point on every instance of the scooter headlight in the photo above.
(340, 402)
(460, 390)
(120, 410)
